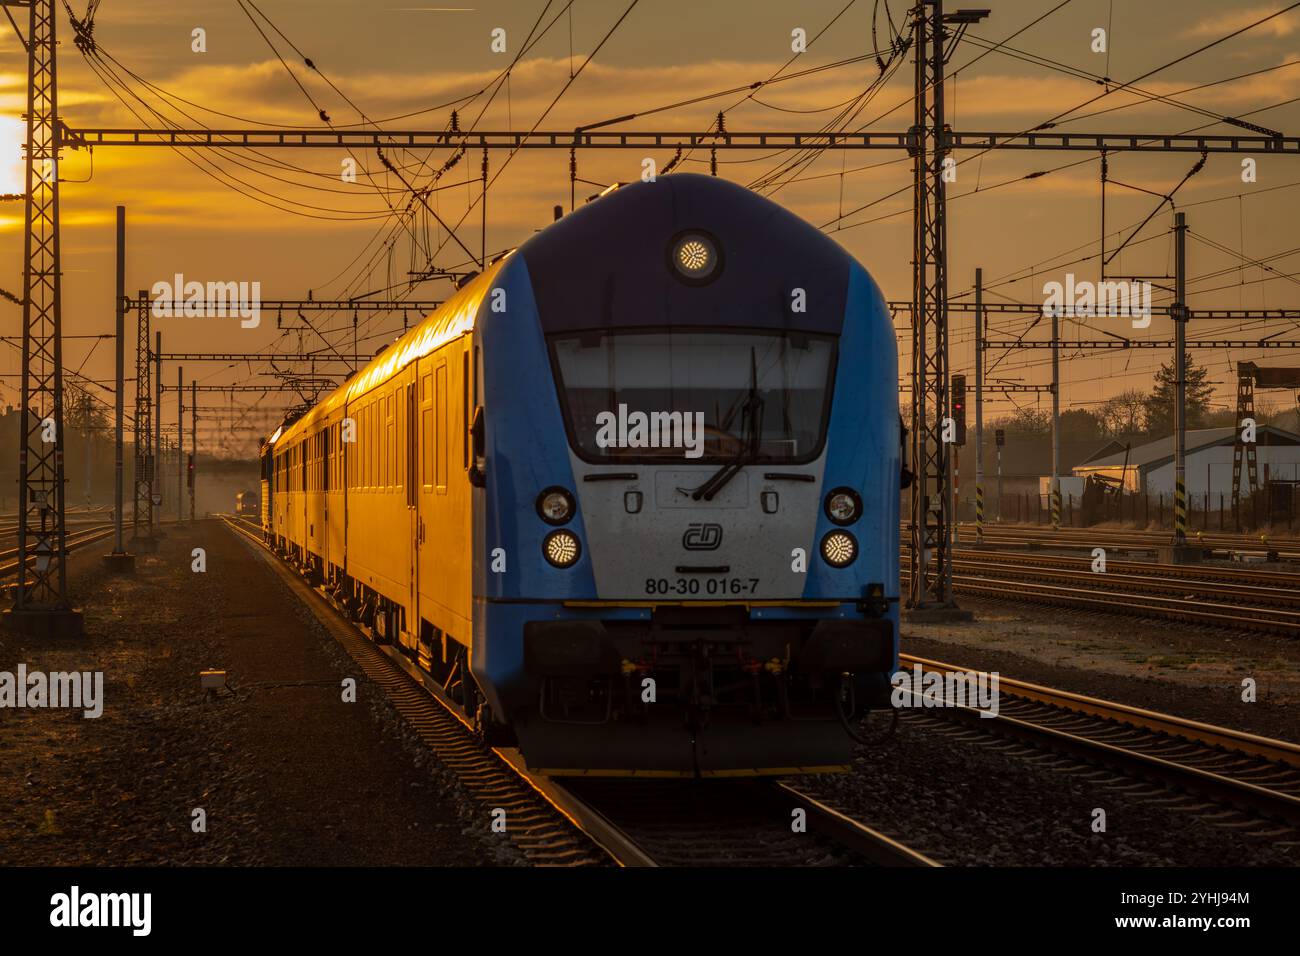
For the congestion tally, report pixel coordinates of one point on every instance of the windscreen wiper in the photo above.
(753, 415)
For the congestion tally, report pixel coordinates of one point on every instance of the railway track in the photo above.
(599, 821)
(1256, 775)
(1248, 600)
(1287, 546)
(11, 531)
(1186, 610)
(1182, 572)
(74, 540)
(1245, 594)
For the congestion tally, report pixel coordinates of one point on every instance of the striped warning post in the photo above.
(1056, 509)
(1180, 512)
(979, 513)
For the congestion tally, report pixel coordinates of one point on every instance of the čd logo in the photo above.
(702, 537)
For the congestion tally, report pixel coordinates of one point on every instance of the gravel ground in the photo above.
(1192, 672)
(1003, 804)
(975, 805)
(286, 772)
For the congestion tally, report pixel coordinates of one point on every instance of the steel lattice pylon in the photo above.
(930, 570)
(42, 595)
(142, 519)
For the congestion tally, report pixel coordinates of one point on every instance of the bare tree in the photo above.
(1123, 414)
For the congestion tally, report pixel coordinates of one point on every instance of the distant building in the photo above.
(1149, 468)
(1026, 464)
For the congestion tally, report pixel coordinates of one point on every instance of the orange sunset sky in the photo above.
(385, 59)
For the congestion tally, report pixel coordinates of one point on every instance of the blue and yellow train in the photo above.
(631, 494)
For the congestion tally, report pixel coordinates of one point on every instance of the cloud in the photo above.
(1221, 24)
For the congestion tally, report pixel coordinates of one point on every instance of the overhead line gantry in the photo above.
(928, 142)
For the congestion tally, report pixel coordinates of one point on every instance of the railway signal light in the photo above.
(189, 471)
(959, 407)
(1000, 437)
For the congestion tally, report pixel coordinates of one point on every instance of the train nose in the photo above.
(696, 538)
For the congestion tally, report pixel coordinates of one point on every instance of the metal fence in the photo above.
(1269, 508)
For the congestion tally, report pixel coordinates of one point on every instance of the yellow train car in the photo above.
(367, 480)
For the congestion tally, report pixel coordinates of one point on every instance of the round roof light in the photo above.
(694, 257)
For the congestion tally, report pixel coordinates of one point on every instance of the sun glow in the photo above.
(12, 134)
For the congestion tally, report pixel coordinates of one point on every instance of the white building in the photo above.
(1149, 468)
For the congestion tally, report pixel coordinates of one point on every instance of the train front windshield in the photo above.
(707, 396)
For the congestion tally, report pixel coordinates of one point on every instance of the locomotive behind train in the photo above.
(630, 495)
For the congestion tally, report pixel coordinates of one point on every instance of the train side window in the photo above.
(390, 443)
(440, 423)
(464, 408)
(409, 444)
(426, 429)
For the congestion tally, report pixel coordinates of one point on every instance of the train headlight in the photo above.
(562, 548)
(839, 549)
(694, 257)
(843, 506)
(555, 505)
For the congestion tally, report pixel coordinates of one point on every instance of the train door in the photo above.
(304, 469)
(410, 455)
(426, 529)
(442, 498)
(326, 488)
